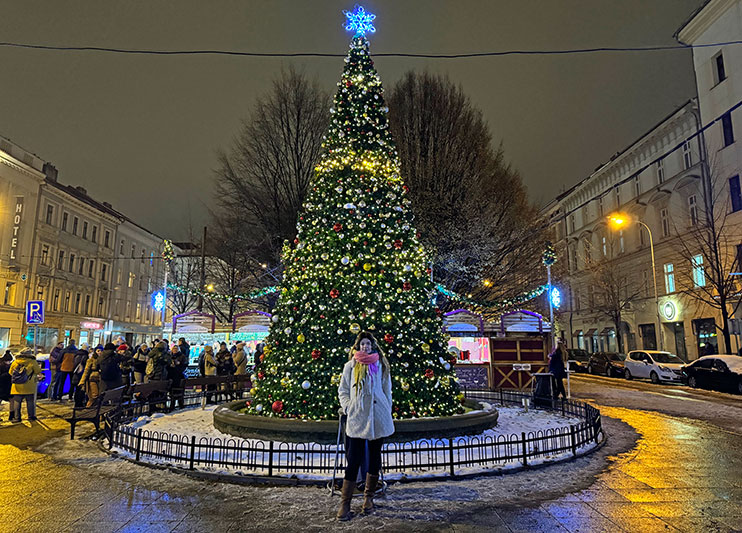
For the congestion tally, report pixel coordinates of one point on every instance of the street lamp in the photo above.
(618, 221)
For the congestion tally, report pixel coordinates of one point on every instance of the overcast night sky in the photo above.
(142, 131)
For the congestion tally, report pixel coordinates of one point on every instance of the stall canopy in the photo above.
(522, 321)
(463, 321)
(251, 322)
(194, 322)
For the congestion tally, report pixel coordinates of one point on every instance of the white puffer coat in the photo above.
(369, 411)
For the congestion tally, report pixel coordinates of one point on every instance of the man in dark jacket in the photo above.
(5, 378)
(55, 359)
(176, 375)
(109, 363)
(159, 361)
(556, 367)
(184, 348)
(81, 359)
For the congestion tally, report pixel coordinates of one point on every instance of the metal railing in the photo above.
(451, 457)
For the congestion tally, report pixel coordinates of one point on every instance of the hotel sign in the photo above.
(15, 231)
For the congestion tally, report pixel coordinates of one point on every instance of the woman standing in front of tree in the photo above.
(365, 395)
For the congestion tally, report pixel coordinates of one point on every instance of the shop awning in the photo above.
(607, 331)
(591, 332)
(577, 333)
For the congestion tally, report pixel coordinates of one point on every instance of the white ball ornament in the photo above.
(274, 318)
(306, 384)
(259, 408)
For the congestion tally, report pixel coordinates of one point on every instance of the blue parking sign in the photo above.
(35, 312)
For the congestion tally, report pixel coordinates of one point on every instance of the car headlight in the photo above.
(664, 368)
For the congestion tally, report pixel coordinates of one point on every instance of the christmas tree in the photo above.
(356, 264)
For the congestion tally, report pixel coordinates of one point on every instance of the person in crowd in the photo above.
(239, 358)
(91, 376)
(209, 368)
(365, 394)
(24, 378)
(126, 363)
(176, 375)
(224, 363)
(109, 364)
(55, 359)
(159, 361)
(556, 368)
(77, 393)
(64, 371)
(5, 363)
(184, 348)
(139, 362)
(233, 347)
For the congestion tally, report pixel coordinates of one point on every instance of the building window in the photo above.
(49, 214)
(121, 248)
(78, 297)
(642, 241)
(81, 268)
(618, 196)
(637, 186)
(571, 230)
(665, 220)
(91, 268)
(133, 250)
(669, 278)
(600, 206)
(693, 209)
(75, 223)
(60, 260)
(152, 254)
(604, 241)
(139, 311)
(44, 254)
(586, 252)
(72, 263)
(727, 129)
(9, 296)
(94, 234)
(84, 230)
(131, 279)
(107, 239)
(56, 299)
(141, 259)
(699, 275)
(620, 242)
(720, 73)
(590, 297)
(645, 282)
(687, 158)
(65, 218)
(572, 258)
(660, 171)
(67, 301)
(100, 306)
(735, 193)
(103, 272)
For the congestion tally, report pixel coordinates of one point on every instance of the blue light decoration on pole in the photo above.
(359, 21)
(158, 300)
(555, 296)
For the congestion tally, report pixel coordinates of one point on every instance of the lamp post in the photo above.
(618, 220)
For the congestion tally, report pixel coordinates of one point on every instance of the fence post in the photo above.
(525, 450)
(270, 459)
(193, 451)
(139, 443)
(450, 455)
(573, 439)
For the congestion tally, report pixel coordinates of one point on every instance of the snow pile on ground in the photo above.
(486, 452)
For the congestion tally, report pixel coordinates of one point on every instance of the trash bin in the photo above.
(543, 392)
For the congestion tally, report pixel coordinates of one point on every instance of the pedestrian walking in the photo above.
(176, 375)
(557, 370)
(24, 378)
(64, 371)
(55, 358)
(365, 395)
(91, 376)
(139, 363)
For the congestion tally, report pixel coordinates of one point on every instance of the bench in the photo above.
(104, 403)
(147, 393)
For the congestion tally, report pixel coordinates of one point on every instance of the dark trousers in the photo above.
(60, 381)
(15, 405)
(356, 453)
(559, 388)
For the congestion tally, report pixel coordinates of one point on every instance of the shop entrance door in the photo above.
(649, 337)
(705, 329)
(679, 331)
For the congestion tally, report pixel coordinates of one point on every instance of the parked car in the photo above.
(607, 363)
(654, 365)
(716, 372)
(578, 359)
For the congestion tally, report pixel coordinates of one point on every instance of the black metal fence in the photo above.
(450, 457)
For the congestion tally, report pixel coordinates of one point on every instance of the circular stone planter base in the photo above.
(228, 420)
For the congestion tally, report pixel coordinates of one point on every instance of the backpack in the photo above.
(109, 370)
(19, 376)
(149, 372)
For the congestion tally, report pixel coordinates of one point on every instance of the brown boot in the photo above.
(368, 494)
(346, 494)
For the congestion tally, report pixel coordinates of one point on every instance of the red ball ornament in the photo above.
(334, 293)
(398, 244)
(337, 227)
(407, 285)
(316, 354)
(405, 188)
(296, 241)
(389, 338)
(429, 373)
(277, 406)
(261, 375)
(438, 311)
(262, 356)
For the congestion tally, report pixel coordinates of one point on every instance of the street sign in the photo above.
(35, 312)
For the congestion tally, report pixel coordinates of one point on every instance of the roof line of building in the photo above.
(688, 20)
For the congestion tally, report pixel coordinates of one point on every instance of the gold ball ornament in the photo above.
(405, 386)
(285, 382)
(300, 337)
(253, 391)
(425, 346)
(267, 350)
(367, 267)
(355, 329)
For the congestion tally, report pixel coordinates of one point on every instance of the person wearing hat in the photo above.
(24, 376)
(91, 376)
(64, 371)
(126, 363)
(77, 392)
(109, 363)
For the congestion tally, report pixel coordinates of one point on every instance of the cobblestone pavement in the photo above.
(669, 465)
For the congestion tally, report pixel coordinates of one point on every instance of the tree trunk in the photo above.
(725, 326)
(619, 337)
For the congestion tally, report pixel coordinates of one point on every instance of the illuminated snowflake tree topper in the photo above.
(359, 21)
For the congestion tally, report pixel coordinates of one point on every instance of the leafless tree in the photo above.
(262, 179)
(710, 248)
(470, 206)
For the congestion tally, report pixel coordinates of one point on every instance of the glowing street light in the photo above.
(487, 283)
(619, 220)
(210, 287)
